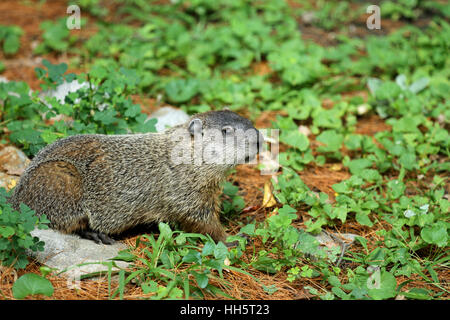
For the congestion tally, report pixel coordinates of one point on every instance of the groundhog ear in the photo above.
(195, 126)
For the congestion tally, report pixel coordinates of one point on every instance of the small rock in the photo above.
(349, 238)
(60, 94)
(168, 117)
(309, 17)
(66, 251)
(63, 90)
(328, 239)
(8, 182)
(331, 241)
(34, 44)
(362, 109)
(304, 129)
(13, 161)
(409, 213)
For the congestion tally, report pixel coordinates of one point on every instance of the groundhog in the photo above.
(98, 186)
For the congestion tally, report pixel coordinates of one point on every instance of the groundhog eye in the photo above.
(227, 130)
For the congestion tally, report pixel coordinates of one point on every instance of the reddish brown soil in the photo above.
(29, 15)
(371, 124)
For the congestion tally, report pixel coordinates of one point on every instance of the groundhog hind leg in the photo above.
(209, 225)
(54, 188)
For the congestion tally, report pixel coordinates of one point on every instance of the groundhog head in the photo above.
(222, 138)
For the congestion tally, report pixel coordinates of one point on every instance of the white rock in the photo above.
(362, 109)
(13, 161)
(409, 213)
(65, 252)
(63, 90)
(308, 17)
(12, 164)
(305, 130)
(329, 239)
(7, 181)
(168, 117)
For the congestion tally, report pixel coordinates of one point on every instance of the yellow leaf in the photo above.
(336, 167)
(268, 199)
(12, 183)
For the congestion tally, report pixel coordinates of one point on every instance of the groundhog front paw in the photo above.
(96, 236)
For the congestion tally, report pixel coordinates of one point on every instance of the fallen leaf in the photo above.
(268, 199)
(336, 167)
(12, 184)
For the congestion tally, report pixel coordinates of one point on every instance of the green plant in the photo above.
(56, 36)
(172, 267)
(334, 14)
(93, 7)
(10, 37)
(233, 204)
(32, 284)
(15, 236)
(286, 247)
(102, 105)
(411, 9)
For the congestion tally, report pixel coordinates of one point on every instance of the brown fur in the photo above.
(103, 185)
